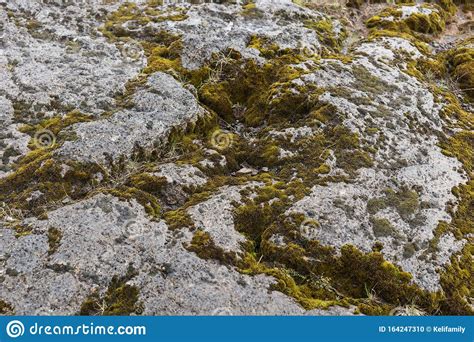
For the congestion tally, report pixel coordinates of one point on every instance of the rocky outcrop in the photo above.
(161, 106)
(234, 158)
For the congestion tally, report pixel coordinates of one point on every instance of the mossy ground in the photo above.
(264, 98)
(417, 24)
(460, 63)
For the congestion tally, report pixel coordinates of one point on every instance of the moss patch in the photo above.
(177, 219)
(54, 239)
(120, 299)
(205, 248)
(6, 308)
(391, 19)
(460, 62)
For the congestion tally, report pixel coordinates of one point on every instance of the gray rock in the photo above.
(406, 159)
(53, 59)
(212, 28)
(215, 217)
(60, 62)
(161, 106)
(101, 236)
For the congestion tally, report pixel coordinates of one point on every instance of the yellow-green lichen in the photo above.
(326, 33)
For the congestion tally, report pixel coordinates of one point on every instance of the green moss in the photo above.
(5, 308)
(404, 201)
(447, 5)
(146, 199)
(177, 219)
(285, 283)
(54, 239)
(316, 276)
(250, 10)
(369, 83)
(409, 250)
(460, 62)
(114, 28)
(358, 3)
(333, 279)
(326, 33)
(266, 48)
(376, 204)
(252, 219)
(324, 113)
(37, 171)
(422, 46)
(148, 182)
(433, 23)
(382, 227)
(58, 123)
(457, 281)
(215, 97)
(368, 274)
(161, 57)
(205, 248)
(22, 230)
(120, 299)
(346, 144)
(323, 169)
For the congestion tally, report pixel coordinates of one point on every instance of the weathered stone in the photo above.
(163, 105)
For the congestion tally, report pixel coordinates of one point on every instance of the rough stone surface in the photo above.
(113, 235)
(405, 159)
(181, 175)
(163, 105)
(166, 160)
(215, 217)
(214, 28)
(53, 66)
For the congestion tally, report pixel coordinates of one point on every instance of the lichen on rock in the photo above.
(184, 158)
